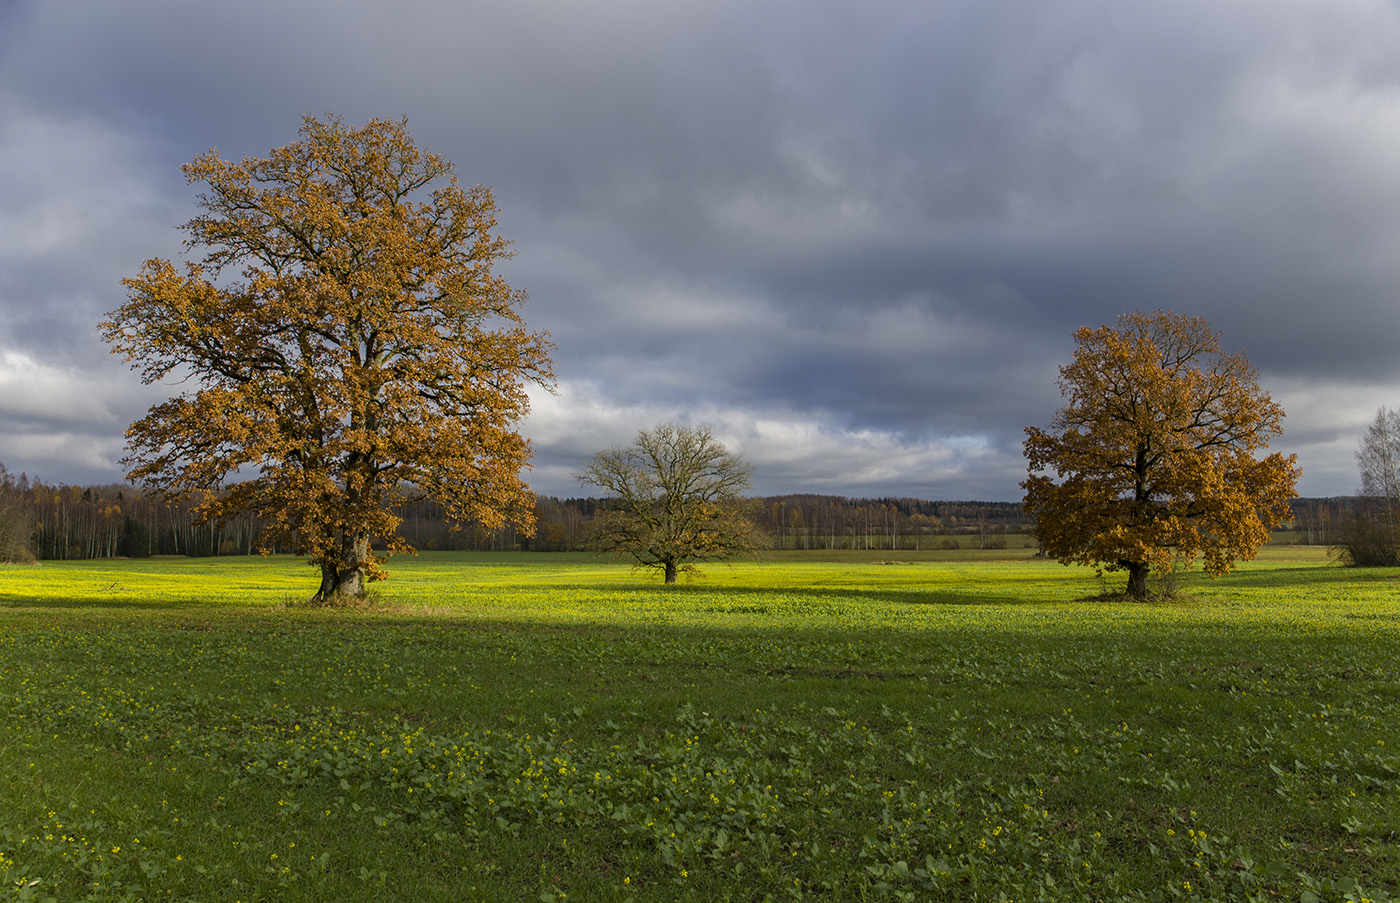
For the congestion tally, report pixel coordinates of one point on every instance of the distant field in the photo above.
(934, 725)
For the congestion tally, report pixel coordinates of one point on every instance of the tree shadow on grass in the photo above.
(895, 596)
(1301, 578)
(109, 603)
(758, 600)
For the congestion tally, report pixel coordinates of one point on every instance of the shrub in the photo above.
(1367, 540)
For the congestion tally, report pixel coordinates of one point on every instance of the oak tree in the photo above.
(1152, 460)
(350, 342)
(673, 497)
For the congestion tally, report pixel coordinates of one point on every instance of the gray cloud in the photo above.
(855, 239)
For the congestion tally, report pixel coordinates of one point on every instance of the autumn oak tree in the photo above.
(1152, 459)
(674, 496)
(349, 341)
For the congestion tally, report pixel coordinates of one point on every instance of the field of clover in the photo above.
(947, 726)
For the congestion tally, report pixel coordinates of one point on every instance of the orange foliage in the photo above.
(1154, 452)
(349, 339)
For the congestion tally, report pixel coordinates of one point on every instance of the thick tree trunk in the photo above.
(1137, 579)
(343, 577)
(671, 572)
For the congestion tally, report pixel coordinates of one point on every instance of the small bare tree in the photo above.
(674, 497)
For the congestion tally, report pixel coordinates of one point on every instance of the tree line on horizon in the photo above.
(57, 521)
(61, 521)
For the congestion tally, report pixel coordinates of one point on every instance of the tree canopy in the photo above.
(1152, 459)
(350, 341)
(675, 496)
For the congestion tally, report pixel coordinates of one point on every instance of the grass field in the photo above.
(950, 725)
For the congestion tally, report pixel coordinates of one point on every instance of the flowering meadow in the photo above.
(947, 726)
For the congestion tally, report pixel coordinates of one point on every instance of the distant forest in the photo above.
(69, 522)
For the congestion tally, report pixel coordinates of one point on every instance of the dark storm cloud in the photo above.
(855, 238)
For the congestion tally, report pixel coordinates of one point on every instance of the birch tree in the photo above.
(1378, 459)
(1371, 536)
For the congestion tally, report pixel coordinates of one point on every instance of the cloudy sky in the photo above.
(853, 238)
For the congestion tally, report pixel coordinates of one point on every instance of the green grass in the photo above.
(945, 725)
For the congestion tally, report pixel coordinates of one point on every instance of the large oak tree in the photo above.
(349, 340)
(674, 497)
(1152, 460)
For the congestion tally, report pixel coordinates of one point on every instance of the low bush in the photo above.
(1367, 541)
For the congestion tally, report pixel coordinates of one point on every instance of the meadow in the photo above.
(943, 725)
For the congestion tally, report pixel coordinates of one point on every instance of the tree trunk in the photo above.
(670, 572)
(343, 577)
(1137, 579)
